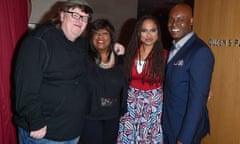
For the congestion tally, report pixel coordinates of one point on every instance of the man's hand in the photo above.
(210, 94)
(38, 134)
(178, 142)
(119, 49)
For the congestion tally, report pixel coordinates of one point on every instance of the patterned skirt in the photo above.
(142, 123)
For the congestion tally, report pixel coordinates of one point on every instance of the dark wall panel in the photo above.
(160, 9)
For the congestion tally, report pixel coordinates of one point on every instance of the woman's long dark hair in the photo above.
(155, 71)
(93, 27)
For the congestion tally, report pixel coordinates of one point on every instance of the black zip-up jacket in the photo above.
(51, 83)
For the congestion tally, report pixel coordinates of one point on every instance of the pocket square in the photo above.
(179, 63)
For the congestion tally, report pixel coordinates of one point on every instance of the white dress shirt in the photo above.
(177, 46)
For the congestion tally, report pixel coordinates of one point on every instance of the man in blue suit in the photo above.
(188, 76)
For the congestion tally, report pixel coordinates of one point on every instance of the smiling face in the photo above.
(71, 26)
(101, 39)
(149, 32)
(180, 21)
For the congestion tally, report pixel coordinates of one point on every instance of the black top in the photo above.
(56, 95)
(107, 92)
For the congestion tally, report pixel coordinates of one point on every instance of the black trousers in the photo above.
(100, 131)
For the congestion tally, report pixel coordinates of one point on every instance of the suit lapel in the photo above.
(183, 50)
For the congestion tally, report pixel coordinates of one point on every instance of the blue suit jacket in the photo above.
(186, 89)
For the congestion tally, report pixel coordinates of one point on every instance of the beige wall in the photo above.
(117, 11)
(219, 19)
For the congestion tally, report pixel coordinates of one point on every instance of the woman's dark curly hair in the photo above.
(155, 71)
(93, 27)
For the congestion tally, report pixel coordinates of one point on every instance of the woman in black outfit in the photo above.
(107, 86)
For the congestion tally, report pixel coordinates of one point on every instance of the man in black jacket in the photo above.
(50, 78)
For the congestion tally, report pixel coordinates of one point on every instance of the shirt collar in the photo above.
(181, 42)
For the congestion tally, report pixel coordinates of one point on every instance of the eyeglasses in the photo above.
(77, 16)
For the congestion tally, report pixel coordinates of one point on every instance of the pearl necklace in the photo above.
(109, 64)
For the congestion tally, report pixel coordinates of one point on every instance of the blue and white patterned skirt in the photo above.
(142, 123)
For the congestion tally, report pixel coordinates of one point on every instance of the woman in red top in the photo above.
(144, 68)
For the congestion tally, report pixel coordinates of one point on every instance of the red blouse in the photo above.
(136, 78)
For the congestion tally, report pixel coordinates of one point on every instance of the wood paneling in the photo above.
(219, 19)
